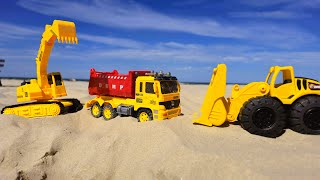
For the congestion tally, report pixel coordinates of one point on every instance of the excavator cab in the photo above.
(55, 79)
(281, 82)
(57, 85)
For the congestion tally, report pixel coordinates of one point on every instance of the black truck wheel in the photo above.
(108, 112)
(305, 115)
(96, 110)
(144, 115)
(263, 116)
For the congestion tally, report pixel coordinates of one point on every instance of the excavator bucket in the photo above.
(214, 107)
(64, 31)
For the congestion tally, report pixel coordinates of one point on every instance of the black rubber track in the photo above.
(264, 116)
(76, 105)
(305, 115)
(62, 108)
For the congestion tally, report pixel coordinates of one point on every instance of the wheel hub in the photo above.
(107, 113)
(95, 110)
(144, 117)
(312, 118)
(263, 118)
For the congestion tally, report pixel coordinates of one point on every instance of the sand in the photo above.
(78, 146)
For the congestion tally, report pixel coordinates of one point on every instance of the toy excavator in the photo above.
(46, 87)
(264, 108)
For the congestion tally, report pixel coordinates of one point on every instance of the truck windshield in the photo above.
(168, 87)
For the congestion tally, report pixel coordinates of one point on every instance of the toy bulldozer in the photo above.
(264, 108)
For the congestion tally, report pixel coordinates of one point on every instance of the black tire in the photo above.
(147, 113)
(305, 115)
(108, 112)
(263, 116)
(93, 110)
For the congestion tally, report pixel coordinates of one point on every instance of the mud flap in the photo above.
(214, 107)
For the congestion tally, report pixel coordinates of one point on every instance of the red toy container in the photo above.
(113, 83)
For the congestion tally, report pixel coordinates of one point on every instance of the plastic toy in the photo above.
(264, 108)
(46, 86)
(142, 94)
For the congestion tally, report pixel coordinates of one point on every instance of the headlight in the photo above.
(313, 86)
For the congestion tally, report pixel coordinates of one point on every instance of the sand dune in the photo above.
(78, 146)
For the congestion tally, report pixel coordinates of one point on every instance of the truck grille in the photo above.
(171, 104)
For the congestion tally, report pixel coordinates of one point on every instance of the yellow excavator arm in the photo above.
(48, 86)
(64, 31)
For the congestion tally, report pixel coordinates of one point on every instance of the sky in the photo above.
(185, 37)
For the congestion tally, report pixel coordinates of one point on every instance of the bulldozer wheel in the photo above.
(263, 116)
(144, 115)
(108, 112)
(96, 110)
(305, 115)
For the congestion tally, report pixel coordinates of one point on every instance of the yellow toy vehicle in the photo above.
(264, 108)
(46, 87)
(142, 94)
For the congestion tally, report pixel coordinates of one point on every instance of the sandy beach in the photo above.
(78, 146)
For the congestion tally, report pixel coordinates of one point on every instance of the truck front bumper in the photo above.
(166, 114)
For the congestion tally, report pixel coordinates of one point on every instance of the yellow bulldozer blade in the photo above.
(214, 107)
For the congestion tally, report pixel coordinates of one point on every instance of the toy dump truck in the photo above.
(142, 94)
(264, 108)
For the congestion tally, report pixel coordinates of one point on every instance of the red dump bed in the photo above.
(113, 83)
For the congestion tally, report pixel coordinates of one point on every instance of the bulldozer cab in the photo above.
(281, 81)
